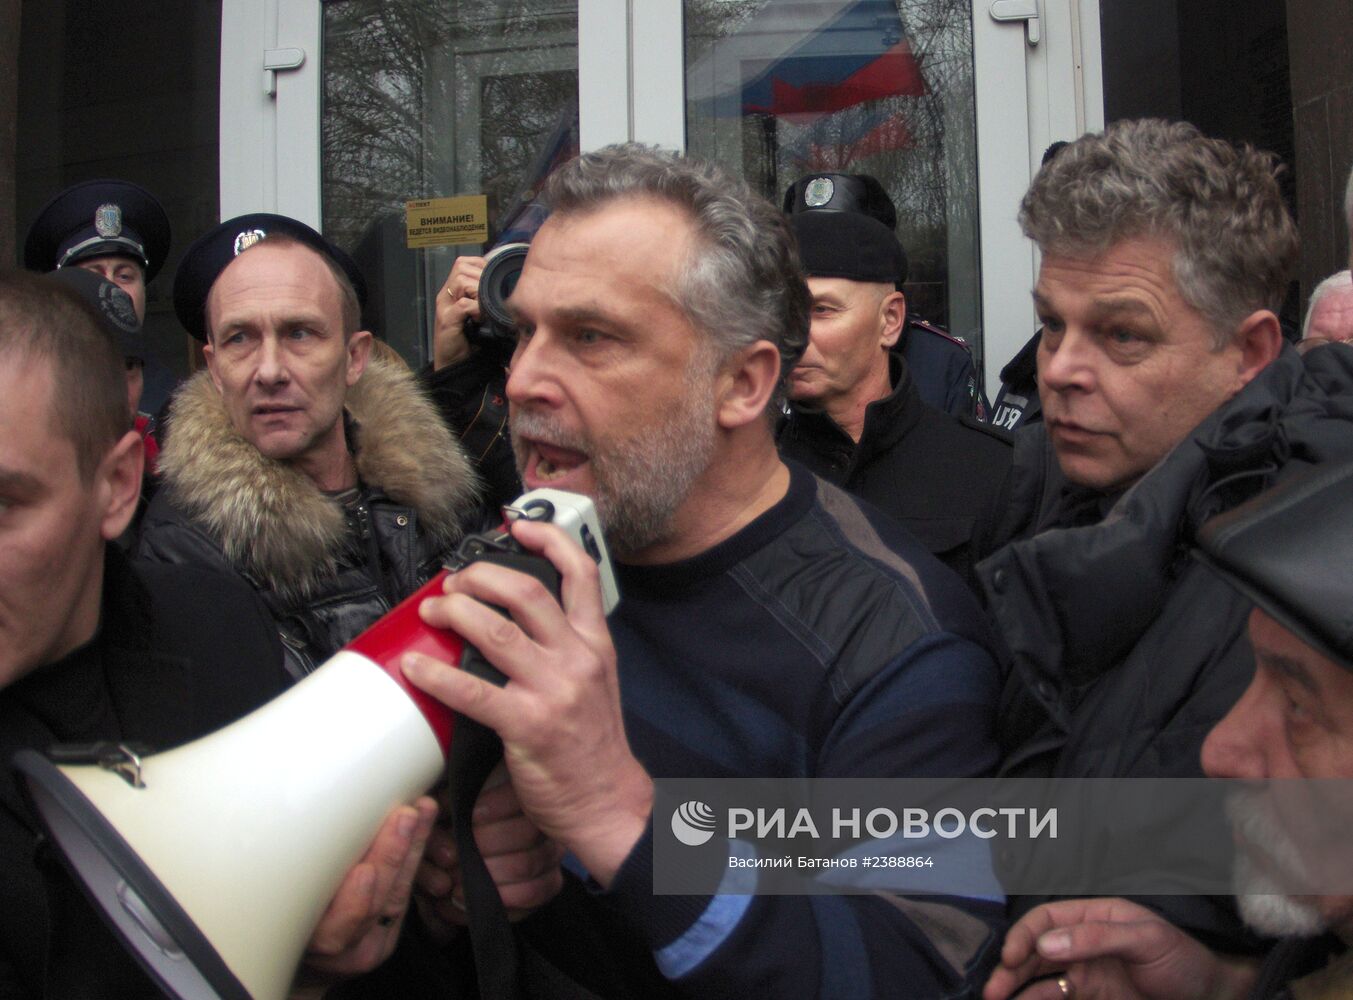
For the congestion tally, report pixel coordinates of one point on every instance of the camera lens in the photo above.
(502, 268)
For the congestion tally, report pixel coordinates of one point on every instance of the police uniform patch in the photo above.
(818, 192)
(108, 220)
(247, 239)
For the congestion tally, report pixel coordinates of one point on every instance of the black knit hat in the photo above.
(1290, 550)
(848, 245)
(213, 251)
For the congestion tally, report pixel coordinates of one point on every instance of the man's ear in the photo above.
(747, 383)
(118, 484)
(359, 353)
(1260, 338)
(893, 311)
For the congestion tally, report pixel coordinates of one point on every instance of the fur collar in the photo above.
(271, 521)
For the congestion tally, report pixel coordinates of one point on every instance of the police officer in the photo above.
(941, 363)
(1017, 402)
(119, 231)
(856, 415)
(116, 229)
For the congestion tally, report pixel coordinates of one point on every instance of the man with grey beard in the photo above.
(770, 625)
(1289, 551)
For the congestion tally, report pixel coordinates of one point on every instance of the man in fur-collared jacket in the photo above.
(298, 460)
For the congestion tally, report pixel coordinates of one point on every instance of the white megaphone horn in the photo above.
(214, 861)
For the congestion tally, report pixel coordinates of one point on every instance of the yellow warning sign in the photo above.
(441, 222)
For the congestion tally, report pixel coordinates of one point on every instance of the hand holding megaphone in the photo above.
(559, 717)
(362, 923)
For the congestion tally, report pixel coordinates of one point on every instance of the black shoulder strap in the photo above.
(506, 968)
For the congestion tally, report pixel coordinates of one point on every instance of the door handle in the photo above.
(1018, 10)
(280, 60)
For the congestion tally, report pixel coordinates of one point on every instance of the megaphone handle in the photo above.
(475, 751)
(472, 661)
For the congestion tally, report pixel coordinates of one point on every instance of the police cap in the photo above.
(1290, 550)
(110, 304)
(205, 260)
(841, 193)
(99, 218)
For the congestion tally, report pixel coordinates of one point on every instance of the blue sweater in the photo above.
(820, 641)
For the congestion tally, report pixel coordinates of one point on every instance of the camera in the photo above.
(502, 268)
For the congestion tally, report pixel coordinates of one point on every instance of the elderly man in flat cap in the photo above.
(1289, 551)
(857, 416)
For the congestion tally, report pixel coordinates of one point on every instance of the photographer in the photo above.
(468, 376)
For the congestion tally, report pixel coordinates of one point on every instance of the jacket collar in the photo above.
(886, 420)
(271, 521)
(150, 691)
(1073, 599)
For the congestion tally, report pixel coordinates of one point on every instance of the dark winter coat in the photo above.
(326, 571)
(936, 474)
(180, 652)
(1017, 402)
(1125, 650)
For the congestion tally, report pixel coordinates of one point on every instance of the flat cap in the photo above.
(1290, 550)
(210, 254)
(99, 219)
(110, 304)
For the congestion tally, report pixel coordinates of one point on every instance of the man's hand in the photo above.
(456, 302)
(523, 863)
(559, 715)
(1111, 948)
(361, 925)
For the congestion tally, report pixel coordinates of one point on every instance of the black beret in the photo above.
(848, 245)
(99, 219)
(1290, 550)
(205, 260)
(110, 304)
(841, 193)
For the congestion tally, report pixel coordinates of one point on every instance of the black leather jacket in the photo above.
(383, 559)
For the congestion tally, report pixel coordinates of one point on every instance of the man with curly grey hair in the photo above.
(770, 625)
(1168, 396)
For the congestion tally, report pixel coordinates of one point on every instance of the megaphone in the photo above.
(213, 862)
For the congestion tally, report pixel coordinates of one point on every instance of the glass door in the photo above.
(341, 112)
(778, 89)
(428, 101)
